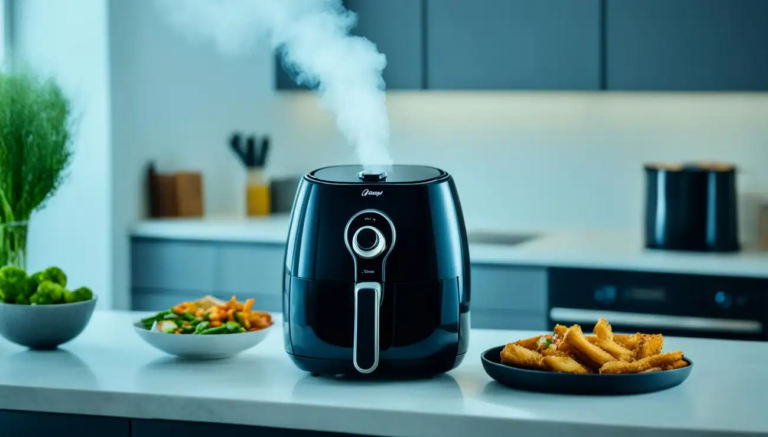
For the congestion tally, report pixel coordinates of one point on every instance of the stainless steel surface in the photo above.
(499, 238)
(377, 288)
(572, 315)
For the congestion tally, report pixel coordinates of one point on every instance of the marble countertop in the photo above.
(109, 371)
(585, 249)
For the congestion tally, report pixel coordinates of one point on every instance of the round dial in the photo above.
(368, 242)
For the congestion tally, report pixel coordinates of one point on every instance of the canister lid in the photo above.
(394, 174)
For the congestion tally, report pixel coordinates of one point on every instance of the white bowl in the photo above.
(202, 347)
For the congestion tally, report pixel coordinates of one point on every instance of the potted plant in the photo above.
(35, 136)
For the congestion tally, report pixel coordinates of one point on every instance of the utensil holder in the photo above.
(257, 194)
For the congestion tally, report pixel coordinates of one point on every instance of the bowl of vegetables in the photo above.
(38, 311)
(206, 329)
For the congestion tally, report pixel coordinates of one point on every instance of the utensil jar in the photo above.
(257, 194)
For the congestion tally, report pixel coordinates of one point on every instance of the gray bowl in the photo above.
(44, 326)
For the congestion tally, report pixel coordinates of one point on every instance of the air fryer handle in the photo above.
(366, 346)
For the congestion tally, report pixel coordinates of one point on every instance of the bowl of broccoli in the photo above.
(38, 311)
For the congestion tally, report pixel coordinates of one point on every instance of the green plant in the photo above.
(35, 136)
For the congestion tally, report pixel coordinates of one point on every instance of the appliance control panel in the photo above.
(671, 303)
(370, 236)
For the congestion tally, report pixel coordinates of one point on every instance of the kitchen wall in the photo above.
(539, 161)
(74, 230)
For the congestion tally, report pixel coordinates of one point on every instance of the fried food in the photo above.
(639, 366)
(676, 365)
(563, 365)
(553, 352)
(616, 351)
(530, 343)
(649, 345)
(603, 330)
(518, 356)
(560, 330)
(575, 337)
(569, 350)
(628, 341)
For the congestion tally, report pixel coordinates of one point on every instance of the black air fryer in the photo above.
(376, 272)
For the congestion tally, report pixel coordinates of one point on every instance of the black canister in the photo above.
(691, 207)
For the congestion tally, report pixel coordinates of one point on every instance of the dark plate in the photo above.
(569, 383)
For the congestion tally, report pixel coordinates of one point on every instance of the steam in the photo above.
(313, 38)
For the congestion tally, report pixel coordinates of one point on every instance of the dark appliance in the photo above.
(376, 272)
(667, 303)
(691, 207)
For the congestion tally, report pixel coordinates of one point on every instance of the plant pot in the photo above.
(13, 244)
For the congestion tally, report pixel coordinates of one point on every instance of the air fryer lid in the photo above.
(395, 174)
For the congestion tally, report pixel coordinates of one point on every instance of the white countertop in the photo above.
(109, 371)
(586, 249)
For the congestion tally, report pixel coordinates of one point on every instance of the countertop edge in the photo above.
(385, 423)
(610, 250)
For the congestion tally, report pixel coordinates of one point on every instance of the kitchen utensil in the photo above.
(377, 272)
(201, 347)
(691, 207)
(44, 326)
(177, 194)
(588, 384)
(257, 191)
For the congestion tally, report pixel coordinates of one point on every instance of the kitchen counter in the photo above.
(109, 371)
(587, 249)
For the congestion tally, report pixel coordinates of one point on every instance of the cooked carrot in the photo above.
(248, 305)
(231, 315)
(215, 323)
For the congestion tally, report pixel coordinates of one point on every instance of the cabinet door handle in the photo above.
(656, 321)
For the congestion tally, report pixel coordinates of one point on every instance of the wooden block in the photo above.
(176, 194)
(189, 194)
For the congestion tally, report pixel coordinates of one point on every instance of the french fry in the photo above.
(529, 343)
(660, 360)
(575, 337)
(649, 345)
(560, 330)
(652, 369)
(676, 365)
(617, 351)
(563, 365)
(518, 356)
(603, 330)
(628, 341)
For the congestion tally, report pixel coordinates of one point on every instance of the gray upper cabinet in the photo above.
(687, 45)
(514, 44)
(396, 27)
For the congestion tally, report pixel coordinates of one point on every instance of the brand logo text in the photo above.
(367, 192)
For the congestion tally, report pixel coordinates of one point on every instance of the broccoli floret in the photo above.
(55, 275)
(13, 283)
(79, 295)
(34, 282)
(22, 300)
(48, 293)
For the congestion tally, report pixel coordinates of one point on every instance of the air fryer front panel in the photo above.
(431, 237)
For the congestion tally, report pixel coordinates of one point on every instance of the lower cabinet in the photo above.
(167, 428)
(166, 272)
(29, 424)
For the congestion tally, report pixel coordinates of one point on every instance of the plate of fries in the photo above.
(569, 361)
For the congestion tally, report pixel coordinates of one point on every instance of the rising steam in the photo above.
(313, 37)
